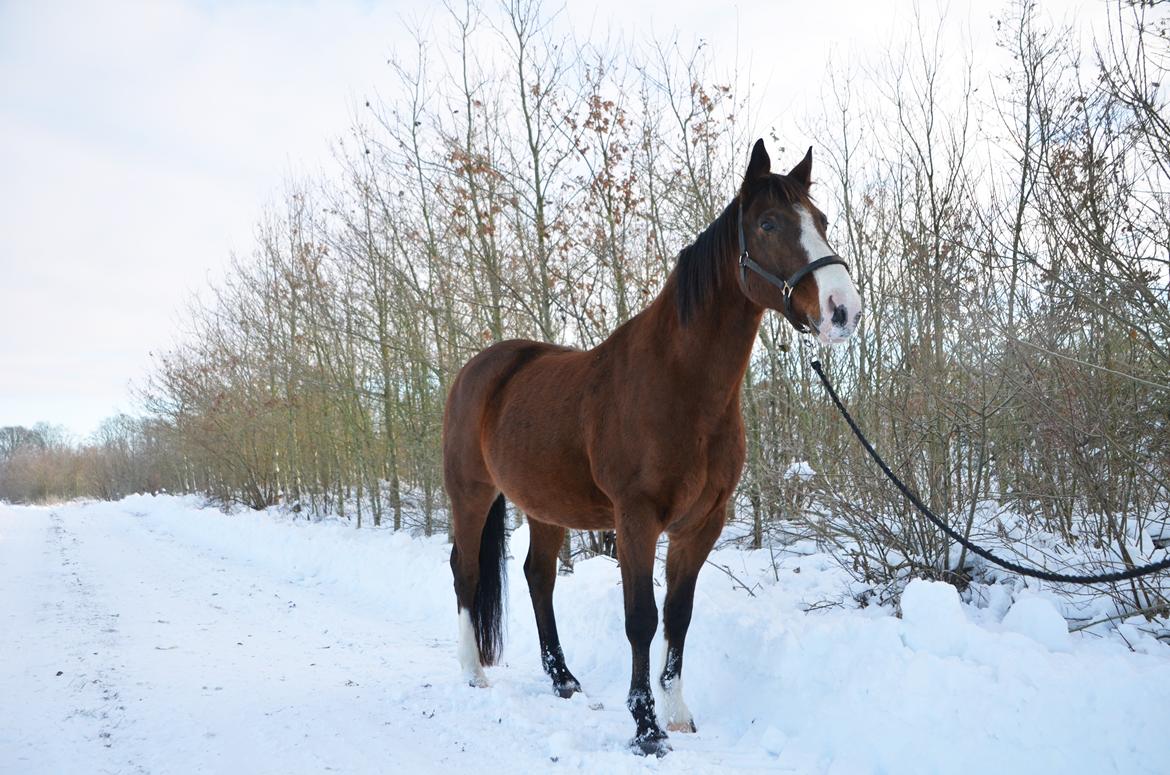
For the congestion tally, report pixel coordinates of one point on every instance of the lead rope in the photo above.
(1101, 578)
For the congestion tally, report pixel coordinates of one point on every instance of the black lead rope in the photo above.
(1100, 578)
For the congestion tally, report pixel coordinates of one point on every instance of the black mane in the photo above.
(699, 264)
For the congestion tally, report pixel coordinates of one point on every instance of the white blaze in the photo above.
(834, 283)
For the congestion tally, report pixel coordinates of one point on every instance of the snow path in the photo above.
(177, 661)
(188, 641)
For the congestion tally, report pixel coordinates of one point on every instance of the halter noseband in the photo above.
(786, 286)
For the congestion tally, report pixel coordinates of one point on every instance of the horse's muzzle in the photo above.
(840, 312)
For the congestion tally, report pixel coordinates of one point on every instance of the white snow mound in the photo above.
(1036, 618)
(933, 618)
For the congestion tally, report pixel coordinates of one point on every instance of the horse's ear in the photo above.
(760, 165)
(802, 173)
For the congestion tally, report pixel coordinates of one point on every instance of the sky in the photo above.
(140, 141)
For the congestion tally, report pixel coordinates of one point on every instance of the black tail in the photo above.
(487, 610)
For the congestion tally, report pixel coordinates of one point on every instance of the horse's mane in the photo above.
(699, 269)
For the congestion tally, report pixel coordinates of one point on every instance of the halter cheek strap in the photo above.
(786, 286)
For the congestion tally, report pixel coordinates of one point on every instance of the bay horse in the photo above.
(640, 435)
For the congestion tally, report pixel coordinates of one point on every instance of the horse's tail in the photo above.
(487, 610)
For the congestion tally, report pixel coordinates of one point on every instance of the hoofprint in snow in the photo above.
(151, 635)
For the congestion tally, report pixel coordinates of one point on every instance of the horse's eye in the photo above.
(824, 220)
(767, 225)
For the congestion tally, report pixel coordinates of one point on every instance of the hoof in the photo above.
(566, 689)
(654, 743)
(687, 727)
(477, 681)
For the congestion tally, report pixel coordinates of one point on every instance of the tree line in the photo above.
(1009, 231)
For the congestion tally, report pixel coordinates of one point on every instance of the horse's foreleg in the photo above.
(685, 557)
(637, 535)
(540, 568)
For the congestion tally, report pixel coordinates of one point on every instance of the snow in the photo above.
(800, 470)
(151, 635)
(933, 619)
(1038, 619)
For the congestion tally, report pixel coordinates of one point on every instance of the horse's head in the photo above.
(783, 233)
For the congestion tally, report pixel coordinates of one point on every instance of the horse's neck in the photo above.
(710, 353)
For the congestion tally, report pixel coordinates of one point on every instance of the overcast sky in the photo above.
(140, 140)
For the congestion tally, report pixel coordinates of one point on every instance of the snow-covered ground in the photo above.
(153, 636)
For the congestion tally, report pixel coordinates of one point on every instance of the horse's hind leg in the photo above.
(684, 558)
(471, 508)
(540, 568)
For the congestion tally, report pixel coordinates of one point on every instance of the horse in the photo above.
(640, 435)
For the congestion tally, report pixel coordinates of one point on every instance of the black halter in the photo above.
(786, 286)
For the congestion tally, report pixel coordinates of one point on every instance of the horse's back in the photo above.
(484, 377)
(478, 390)
(514, 419)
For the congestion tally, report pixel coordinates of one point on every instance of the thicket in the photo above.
(1009, 232)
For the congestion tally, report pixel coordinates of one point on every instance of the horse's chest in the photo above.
(713, 457)
(681, 470)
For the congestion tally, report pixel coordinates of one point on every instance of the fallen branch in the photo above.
(1150, 609)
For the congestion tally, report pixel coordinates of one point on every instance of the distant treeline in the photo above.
(1009, 232)
(44, 463)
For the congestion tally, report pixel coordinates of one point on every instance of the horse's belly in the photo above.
(570, 502)
(547, 475)
(582, 515)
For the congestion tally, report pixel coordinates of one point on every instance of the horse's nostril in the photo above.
(840, 315)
